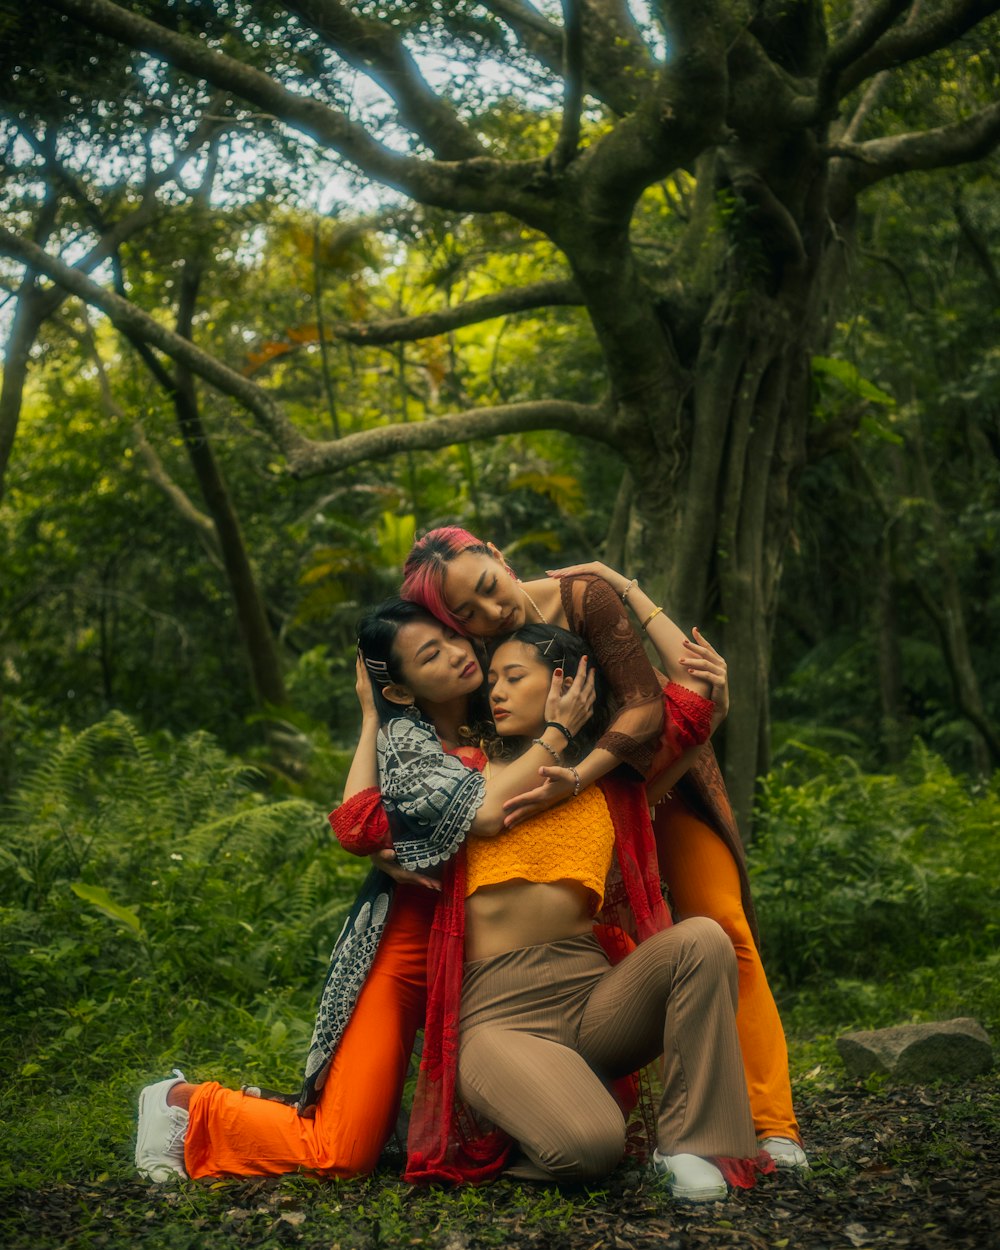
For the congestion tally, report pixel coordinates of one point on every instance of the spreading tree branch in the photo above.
(377, 50)
(540, 36)
(427, 325)
(569, 128)
(679, 115)
(864, 164)
(762, 96)
(111, 237)
(132, 320)
(616, 63)
(585, 420)
(307, 457)
(480, 184)
(945, 23)
(862, 34)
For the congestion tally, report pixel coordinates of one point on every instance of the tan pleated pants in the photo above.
(542, 1027)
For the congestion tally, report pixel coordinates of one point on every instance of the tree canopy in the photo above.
(674, 196)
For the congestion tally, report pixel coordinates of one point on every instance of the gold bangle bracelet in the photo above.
(655, 612)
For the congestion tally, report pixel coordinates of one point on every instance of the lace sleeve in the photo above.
(360, 824)
(596, 612)
(431, 797)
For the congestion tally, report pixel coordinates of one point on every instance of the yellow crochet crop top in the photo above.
(570, 842)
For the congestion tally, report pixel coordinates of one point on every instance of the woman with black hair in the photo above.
(545, 1022)
(424, 679)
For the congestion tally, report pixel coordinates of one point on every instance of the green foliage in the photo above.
(110, 598)
(897, 514)
(140, 874)
(861, 877)
(845, 375)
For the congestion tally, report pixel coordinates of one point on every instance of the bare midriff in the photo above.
(505, 917)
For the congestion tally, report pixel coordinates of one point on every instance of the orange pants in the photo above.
(704, 881)
(231, 1134)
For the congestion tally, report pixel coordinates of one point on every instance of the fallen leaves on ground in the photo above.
(912, 1168)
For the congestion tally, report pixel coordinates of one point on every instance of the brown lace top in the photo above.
(594, 611)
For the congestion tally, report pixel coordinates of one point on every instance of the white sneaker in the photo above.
(691, 1178)
(159, 1144)
(787, 1154)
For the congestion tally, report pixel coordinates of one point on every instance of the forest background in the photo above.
(709, 291)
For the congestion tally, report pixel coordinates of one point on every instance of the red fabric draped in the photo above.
(743, 1173)
(443, 1143)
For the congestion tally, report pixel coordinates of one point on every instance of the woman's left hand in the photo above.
(558, 784)
(703, 661)
(386, 861)
(574, 706)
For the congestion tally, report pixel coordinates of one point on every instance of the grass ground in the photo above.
(893, 1166)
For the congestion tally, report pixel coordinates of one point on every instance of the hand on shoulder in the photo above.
(617, 581)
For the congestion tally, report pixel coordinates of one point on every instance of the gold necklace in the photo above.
(538, 610)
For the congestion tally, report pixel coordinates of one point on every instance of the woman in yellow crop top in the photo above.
(546, 1021)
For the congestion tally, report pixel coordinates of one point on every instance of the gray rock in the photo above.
(919, 1052)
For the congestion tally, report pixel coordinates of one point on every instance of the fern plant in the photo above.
(862, 875)
(139, 869)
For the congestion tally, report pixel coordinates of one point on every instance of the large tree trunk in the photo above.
(711, 397)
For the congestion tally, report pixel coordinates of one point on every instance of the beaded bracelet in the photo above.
(551, 750)
(576, 776)
(631, 586)
(554, 724)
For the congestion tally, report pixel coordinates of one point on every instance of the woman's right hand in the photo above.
(573, 706)
(363, 689)
(557, 784)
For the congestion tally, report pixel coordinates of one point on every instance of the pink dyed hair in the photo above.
(424, 570)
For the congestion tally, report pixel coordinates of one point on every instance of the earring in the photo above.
(412, 711)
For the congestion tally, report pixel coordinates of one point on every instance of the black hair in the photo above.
(558, 648)
(377, 632)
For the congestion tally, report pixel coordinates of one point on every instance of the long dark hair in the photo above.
(558, 648)
(377, 632)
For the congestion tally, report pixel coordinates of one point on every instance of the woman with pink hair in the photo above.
(466, 583)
